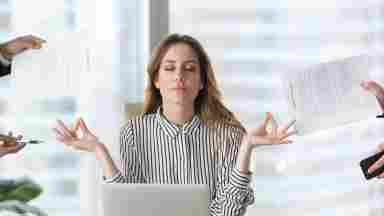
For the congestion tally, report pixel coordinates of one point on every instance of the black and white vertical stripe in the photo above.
(154, 150)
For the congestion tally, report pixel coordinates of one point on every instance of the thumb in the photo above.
(77, 125)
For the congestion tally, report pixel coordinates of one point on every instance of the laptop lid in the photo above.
(155, 199)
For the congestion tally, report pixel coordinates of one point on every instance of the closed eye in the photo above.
(169, 68)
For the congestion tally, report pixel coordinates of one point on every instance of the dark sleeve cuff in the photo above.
(114, 179)
(4, 70)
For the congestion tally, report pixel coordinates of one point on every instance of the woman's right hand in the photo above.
(80, 137)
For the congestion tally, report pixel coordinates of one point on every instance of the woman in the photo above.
(186, 135)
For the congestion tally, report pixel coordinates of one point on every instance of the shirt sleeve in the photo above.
(130, 162)
(5, 66)
(233, 191)
(5, 62)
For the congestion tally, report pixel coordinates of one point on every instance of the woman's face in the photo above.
(178, 78)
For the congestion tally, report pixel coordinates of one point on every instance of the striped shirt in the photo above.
(154, 150)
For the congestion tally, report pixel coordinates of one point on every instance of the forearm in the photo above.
(108, 166)
(244, 157)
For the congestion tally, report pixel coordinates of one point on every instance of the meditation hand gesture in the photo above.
(80, 137)
(261, 136)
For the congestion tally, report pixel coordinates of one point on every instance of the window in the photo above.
(70, 179)
(5, 17)
(49, 164)
(251, 43)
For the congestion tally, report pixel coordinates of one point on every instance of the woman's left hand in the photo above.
(261, 136)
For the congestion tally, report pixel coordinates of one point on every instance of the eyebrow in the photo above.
(188, 61)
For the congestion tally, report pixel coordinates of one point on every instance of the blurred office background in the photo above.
(250, 43)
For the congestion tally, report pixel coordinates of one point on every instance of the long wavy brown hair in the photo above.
(208, 103)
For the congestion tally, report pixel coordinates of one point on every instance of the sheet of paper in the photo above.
(327, 95)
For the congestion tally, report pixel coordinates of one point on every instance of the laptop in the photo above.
(155, 199)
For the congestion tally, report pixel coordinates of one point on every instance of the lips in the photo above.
(178, 89)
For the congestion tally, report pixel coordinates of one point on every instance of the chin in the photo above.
(181, 101)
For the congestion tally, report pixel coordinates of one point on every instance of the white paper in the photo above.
(327, 95)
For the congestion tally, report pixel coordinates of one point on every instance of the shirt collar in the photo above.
(172, 130)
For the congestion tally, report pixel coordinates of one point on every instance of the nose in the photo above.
(179, 74)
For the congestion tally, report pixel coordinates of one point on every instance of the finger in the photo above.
(64, 129)
(77, 125)
(57, 132)
(289, 125)
(20, 146)
(84, 126)
(61, 139)
(15, 148)
(381, 147)
(34, 41)
(4, 141)
(285, 142)
(376, 165)
(29, 45)
(381, 175)
(267, 119)
(34, 38)
(288, 134)
(274, 125)
(19, 137)
(23, 45)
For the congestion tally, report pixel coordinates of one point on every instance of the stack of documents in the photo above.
(327, 95)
